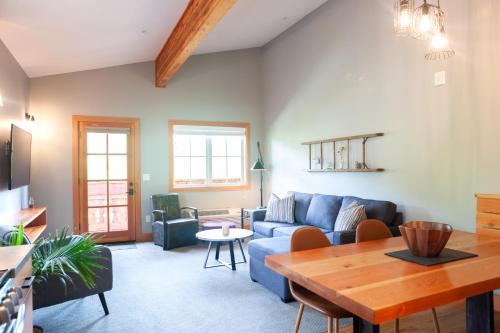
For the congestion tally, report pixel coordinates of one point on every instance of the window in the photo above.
(207, 155)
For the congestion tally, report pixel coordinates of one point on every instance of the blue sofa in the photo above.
(318, 210)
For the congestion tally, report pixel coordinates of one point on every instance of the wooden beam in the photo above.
(199, 18)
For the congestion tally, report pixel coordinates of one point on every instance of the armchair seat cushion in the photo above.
(266, 228)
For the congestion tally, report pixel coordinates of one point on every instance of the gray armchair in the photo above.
(52, 290)
(170, 228)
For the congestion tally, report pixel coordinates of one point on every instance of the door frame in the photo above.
(134, 123)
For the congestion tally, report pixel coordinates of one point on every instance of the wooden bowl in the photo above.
(425, 239)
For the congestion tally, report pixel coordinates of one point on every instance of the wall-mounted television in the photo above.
(20, 157)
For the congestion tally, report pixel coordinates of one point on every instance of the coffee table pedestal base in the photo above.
(231, 265)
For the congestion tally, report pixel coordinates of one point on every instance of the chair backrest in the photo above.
(372, 230)
(169, 203)
(308, 238)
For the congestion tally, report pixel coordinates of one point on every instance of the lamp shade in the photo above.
(258, 165)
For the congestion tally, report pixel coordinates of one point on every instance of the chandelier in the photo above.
(425, 22)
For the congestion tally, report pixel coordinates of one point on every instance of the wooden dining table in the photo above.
(377, 288)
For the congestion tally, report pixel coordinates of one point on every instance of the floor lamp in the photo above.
(259, 166)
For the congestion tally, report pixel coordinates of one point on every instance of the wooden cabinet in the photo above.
(488, 214)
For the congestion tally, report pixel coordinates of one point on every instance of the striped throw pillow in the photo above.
(280, 210)
(349, 217)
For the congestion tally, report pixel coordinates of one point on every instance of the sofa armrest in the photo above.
(256, 215)
(344, 237)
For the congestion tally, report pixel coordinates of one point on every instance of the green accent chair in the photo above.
(170, 229)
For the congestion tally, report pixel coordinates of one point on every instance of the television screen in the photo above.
(20, 157)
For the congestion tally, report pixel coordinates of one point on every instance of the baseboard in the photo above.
(144, 237)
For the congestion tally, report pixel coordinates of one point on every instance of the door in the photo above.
(106, 182)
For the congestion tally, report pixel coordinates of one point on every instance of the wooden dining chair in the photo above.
(372, 230)
(308, 238)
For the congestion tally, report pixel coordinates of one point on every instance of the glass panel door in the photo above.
(107, 182)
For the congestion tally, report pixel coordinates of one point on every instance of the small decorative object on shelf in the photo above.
(31, 202)
(337, 154)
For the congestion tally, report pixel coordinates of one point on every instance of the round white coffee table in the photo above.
(216, 236)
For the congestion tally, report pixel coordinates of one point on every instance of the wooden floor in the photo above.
(451, 320)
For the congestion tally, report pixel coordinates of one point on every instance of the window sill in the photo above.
(210, 188)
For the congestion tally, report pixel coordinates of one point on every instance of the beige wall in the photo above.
(217, 87)
(341, 71)
(14, 87)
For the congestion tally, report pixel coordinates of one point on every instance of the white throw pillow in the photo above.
(280, 210)
(349, 217)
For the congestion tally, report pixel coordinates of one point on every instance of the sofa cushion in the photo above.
(323, 211)
(280, 209)
(266, 228)
(375, 209)
(302, 202)
(288, 231)
(349, 217)
(260, 248)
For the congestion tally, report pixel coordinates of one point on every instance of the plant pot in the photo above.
(426, 239)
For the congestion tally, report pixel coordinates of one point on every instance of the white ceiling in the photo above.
(53, 36)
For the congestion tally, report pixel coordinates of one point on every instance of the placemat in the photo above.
(447, 255)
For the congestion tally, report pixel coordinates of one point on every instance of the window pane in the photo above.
(234, 145)
(234, 168)
(96, 167)
(118, 193)
(181, 169)
(198, 145)
(219, 169)
(118, 167)
(198, 170)
(218, 146)
(96, 143)
(117, 143)
(181, 145)
(118, 218)
(97, 194)
(97, 220)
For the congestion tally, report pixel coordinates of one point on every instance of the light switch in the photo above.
(146, 177)
(148, 218)
(440, 78)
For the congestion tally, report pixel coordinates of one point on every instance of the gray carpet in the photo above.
(157, 291)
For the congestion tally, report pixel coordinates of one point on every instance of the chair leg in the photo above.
(299, 318)
(337, 325)
(330, 325)
(103, 303)
(435, 319)
(396, 325)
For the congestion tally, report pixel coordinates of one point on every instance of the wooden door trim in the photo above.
(135, 124)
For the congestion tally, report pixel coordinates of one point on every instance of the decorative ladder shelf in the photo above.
(364, 166)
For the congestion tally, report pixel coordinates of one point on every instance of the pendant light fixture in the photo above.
(440, 47)
(427, 21)
(403, 17)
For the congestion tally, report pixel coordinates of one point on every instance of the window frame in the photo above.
(208, 187)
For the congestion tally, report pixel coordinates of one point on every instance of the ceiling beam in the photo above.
(199, 18)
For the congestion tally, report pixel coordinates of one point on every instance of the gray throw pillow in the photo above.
(280, 210)
(349, 217)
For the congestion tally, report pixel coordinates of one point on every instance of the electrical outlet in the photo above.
(440, 78)
(148, 218)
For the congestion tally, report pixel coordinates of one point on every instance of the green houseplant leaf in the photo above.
(61, 255)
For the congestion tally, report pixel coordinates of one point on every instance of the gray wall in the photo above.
(217, 87)
(14, 87)
(341, 71)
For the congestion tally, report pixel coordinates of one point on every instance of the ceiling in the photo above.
(53, 36)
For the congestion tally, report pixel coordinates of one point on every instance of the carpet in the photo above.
(170, 292)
